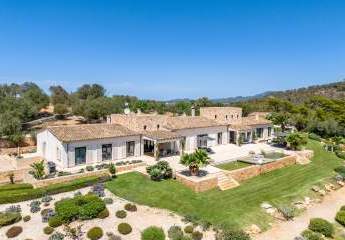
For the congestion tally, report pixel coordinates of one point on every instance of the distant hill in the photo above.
(334, 90)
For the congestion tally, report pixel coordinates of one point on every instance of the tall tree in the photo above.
(59, 95)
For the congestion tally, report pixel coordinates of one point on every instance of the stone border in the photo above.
(198, 184)
(243, 174)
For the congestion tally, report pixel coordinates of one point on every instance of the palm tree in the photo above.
(195, 160)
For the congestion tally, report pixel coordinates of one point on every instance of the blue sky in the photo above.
(173, 48)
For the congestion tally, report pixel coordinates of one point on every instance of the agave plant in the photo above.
(195, 160)
(38, 169)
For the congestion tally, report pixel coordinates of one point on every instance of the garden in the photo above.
(235, 207)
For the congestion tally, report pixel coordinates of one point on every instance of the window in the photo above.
(269, 129)
(106, 152)
(226, 117)
(80, 155)
(145, 127)
(259, 132)
(237, 116)
(232, 116)
(58, 154)
(157, 126)
(215, 116)
(130, 147)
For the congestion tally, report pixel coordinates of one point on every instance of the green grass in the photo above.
(239, 206)
(13, 193)
(233, 165)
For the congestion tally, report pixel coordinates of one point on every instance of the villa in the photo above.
(131, 135)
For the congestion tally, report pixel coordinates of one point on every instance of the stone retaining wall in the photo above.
(243, 174)
(198, 185)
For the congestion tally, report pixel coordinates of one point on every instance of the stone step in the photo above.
(225, 182)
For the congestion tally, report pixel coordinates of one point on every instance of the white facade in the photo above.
(63, 154)
(191, 136)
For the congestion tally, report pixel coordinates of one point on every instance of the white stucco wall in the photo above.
(191, 136)
(93, 149)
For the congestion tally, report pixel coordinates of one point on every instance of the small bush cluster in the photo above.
(188, 229)
(196, 235)
(322, 226)
(47, 214)
(55, 222)
(14, 231)
(26, 218)
(130, 207)
(48, 230)
(175, 233)
(121, 214)
(35, 206)
(103, 214)
(124, 228)
(122, 163)
(232, 234)
(153, 233)
(315, 137)
(108, 201)
(89, 168)
(341, 171)
(14, 208)
(160, 171)
(287, 212)
(112, 236)
(98, 189)
(310, 235)
(95, 233)
(46, 199)
(56, 236)
(340, 154)
(340, 217)
(8, 218)
(80, 207)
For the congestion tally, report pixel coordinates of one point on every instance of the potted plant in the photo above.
(195, 160)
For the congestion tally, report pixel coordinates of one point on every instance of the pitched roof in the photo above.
(89, 131)
(247, 123)
(186, 122)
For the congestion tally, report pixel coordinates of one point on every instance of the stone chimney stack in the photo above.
(126, 110)
(193, 111)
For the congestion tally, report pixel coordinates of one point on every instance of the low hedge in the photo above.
(11, 187)
(153, 233)
(29, 193)
(95, 233)
(340, 217)
(55, 221)
(8, 218)
(14, 231)
(310, 235)
(124, 228)
(321, 226)
(340, 154)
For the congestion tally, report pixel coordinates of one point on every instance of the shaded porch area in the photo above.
(160, 144)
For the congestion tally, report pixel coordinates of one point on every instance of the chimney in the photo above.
(127, 110)
(257, 116)
(193, 111)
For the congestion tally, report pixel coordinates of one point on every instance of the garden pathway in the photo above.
(288, 230)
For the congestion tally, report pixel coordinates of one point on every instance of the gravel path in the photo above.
(288, 230)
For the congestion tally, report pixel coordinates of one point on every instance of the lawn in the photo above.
(233, 165)
(239, 206)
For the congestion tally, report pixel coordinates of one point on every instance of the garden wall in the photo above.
(243, 174)
(198, 184)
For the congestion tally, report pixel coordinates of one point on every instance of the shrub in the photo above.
(159, 171)
(232, 234)
(321, 226)
(296, 140)
(108, 201)
(131, 207)
(287, 212)
(98, 189)
(153, 233)
(197, 235)
(82, 207)
(27, 218)
(340, 170)
(95, 233)
(8, 218)
(38, 169)
(14, 208)
(46, 214)
(35, 206)
(56, 236)
(124, 228)
(112, 169)
(112, 236)
(342, 208)
(48, 230)
(340, 154)
(315, 137)
(46, 198)
(55, 222)
(121, 214)
(90, 168)
(14, 231)
(103, 214)
(310, 235)
(189, 229)
(175, 233)
(340, 217)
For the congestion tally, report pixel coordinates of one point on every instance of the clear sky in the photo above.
(173, 48)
